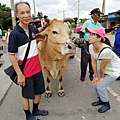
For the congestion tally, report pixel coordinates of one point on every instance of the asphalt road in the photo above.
(75, 105)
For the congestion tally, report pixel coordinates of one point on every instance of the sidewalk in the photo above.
(5, 82)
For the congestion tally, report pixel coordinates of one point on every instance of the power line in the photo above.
(38, 6)
(71, 7)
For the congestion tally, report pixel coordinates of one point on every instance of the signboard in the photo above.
(112, 15)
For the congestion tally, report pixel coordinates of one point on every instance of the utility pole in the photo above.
(78, 8)
(103, 7)
(63, 13)
(13, 13)
(34, 8)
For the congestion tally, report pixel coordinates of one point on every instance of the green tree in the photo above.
(73, 25)
(6, 20)
(83, 20)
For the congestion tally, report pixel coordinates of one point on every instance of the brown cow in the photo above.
(54, 51)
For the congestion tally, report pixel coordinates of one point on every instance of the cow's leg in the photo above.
(48, 88)
(48, 92)
(61, 92)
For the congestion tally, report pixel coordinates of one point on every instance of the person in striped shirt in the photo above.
(31, 79)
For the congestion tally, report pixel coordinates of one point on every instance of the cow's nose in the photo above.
(69, 47)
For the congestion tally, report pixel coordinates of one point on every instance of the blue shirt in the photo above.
(18, 38)
(117, 41)
(89, 24)
(18, 43)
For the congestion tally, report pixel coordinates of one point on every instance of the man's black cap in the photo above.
(96, 10)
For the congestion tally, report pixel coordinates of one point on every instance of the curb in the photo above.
(5, 82)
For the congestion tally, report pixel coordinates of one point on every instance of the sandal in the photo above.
(40, 112)
(32, 118)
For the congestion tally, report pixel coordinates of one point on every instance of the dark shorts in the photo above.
(34, 86)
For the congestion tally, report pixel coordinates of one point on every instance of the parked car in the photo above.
(36, 21)
(77, 29)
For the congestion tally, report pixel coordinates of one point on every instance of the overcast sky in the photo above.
(54, 8)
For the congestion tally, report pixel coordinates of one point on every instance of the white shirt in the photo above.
(113, 67)
(7, 36)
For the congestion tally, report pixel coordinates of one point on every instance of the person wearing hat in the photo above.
(105, 66)
(85, 57)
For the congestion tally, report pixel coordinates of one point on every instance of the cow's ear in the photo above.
(39, 37)
(42, 35)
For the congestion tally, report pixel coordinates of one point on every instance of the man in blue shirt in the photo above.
(85, 57)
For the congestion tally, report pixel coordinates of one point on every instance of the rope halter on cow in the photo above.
(59, 37)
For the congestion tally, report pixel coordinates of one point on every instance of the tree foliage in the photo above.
(4, 8)
(73, 25)
(83, 20)
(6, 20)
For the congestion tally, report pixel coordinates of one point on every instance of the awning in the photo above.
(2, 14)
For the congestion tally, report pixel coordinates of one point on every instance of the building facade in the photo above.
(111, 19)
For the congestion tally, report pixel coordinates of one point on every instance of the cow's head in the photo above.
(57, 34)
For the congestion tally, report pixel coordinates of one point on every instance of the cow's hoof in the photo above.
(61, 93)
(48, 94)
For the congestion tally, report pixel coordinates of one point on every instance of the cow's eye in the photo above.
(54, 32)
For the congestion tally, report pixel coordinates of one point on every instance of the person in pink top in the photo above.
(105, 64)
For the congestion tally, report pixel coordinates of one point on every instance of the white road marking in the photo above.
(113, 93)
